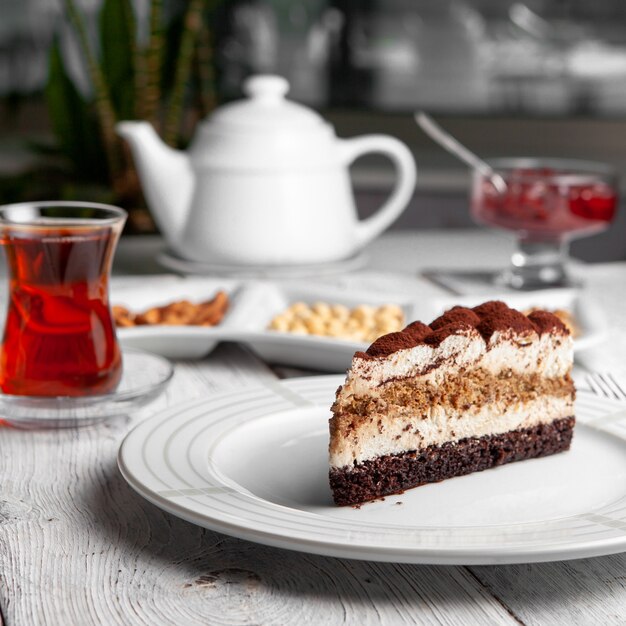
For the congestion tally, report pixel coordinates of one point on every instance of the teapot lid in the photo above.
(265, 132)
(266, 108)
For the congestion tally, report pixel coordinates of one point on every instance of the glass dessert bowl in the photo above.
(547, 203)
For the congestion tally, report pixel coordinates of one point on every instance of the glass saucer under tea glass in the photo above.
(546, 203)
(144, 377)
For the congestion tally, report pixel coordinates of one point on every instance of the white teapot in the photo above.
(265, 181)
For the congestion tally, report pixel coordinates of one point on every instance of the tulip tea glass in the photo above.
(547, 203)
(59, 338)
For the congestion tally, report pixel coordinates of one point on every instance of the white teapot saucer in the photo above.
(172, 261)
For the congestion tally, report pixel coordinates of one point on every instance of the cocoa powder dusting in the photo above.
(388, 344)
(505, 319)
(546, 322)
(486, 318)
(418, 330)
(456, 314)
(455, 328)
(489, 308)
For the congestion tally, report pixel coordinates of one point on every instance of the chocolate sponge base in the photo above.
(391, 474)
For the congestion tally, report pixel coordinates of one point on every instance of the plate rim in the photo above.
(335, 547)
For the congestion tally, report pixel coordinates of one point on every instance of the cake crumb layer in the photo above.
(469, 388)
(391, 474)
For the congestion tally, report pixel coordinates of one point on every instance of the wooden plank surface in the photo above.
(582, 592)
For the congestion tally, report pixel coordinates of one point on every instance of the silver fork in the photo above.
(606, 385)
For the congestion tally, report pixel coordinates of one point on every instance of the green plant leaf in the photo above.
(117, 45)
(173, 35)
(73, 121)
(64, 103)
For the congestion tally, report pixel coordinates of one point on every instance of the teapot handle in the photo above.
(406, 173)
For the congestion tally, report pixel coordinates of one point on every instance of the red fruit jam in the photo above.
(546, 202)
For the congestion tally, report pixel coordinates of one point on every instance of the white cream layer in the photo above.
(442, 425)
(547, 355)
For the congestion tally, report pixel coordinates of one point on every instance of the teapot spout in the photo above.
(167, 178)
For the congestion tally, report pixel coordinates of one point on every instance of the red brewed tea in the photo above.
(59, 338)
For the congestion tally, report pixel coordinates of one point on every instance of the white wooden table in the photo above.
(78, 546)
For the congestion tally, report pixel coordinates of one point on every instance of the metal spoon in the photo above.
(452, 145)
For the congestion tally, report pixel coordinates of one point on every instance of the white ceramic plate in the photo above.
(253, 464)
(255, 303)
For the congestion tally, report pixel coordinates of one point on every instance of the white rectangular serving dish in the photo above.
(174, 342)
(255, 303)
(262, 301)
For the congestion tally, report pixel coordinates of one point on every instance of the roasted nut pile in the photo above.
(179, 313)
(361, 323)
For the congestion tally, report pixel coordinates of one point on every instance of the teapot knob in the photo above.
(266, 86)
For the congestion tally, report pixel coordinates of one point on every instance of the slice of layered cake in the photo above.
(477, 388)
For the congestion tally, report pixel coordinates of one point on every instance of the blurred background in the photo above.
(534, 78)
